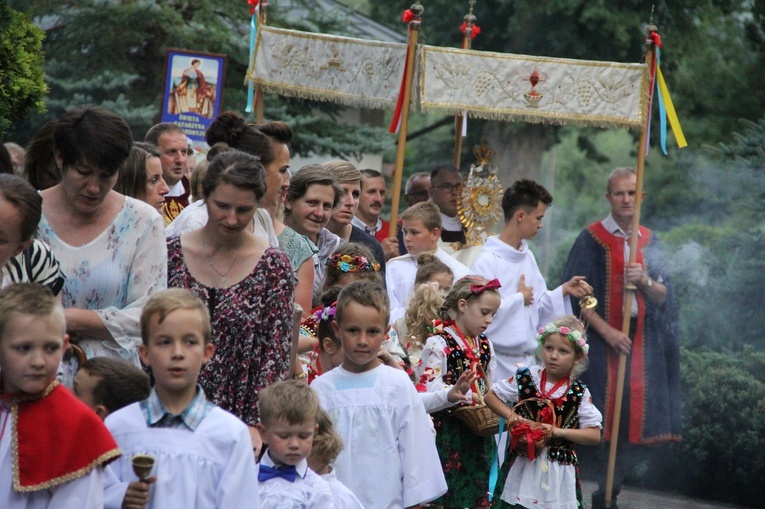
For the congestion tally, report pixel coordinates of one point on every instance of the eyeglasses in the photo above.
(423, 192)
(446, 187)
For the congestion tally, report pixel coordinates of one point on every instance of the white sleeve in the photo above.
(423, 479)
(436, 401)
(433, 364)
(113, 488)
(589, 416)
(86, 492)
(238, 486)
(147, 274)
(506, 390)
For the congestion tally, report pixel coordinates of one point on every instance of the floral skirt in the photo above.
(466, 461)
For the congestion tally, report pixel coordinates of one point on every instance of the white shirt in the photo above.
(451, 224)
(341, 495)
(364, 226)
(390, 458)
(211, 467)
(513, 332)
(308, 491)
(176, 189)
(399, 279)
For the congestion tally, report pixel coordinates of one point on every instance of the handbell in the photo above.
(142, 465)
(588, 302)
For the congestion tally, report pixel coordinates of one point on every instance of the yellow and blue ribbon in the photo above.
(666, 107)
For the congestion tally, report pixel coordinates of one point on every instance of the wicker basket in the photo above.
(481, 420)
(519, 441)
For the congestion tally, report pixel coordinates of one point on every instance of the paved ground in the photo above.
(634, 498)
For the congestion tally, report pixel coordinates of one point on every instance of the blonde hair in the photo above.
(574, 324)
(327, 444)
(425, 211)
(364, 293)
(424, 307)
(165, 302)
(344, 172)
(29, 299)
(290, 400)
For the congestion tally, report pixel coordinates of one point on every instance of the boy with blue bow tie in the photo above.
(288, 414)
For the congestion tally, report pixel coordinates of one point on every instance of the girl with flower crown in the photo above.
(548, 478)
(459, 345)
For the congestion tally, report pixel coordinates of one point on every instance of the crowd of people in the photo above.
(229, 333)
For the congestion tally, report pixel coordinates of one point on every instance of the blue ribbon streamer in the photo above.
(494, 472)
(251, 85)
(662, 108)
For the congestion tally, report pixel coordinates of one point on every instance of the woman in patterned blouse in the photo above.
(247, 285)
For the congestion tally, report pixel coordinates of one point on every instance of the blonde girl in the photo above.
(459, 346)
(548, 478)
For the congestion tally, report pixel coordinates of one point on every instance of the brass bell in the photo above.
(588, 302)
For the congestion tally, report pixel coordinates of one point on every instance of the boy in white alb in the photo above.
(288, 413)
(421, 224)
(390, 459)
(203, 455)
(526, 301)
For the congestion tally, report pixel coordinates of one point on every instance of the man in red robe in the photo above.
(651, 398)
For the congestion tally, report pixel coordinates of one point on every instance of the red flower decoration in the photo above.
(254, 4)
(473, 33)
(407, 16)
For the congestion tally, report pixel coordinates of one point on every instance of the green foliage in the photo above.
(723, 428)
(113, 54)
(22, 85)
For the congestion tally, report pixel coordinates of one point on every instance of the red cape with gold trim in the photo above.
(56, 439)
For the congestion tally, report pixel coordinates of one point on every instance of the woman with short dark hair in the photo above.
(111, 247)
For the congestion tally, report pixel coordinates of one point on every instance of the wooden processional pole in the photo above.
(459, 120)
(630, 289)
(413, 37)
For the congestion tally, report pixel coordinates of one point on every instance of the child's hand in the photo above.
(388, 359)
(459, 390)
(137, 494)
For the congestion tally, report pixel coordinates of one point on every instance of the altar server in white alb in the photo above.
(421, 224)
(526, 301)
(203, 455)
(390, 458)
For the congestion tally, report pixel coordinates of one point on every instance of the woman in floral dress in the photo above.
(247, 285)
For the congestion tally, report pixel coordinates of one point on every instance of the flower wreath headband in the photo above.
(348, 263)
(574, 335)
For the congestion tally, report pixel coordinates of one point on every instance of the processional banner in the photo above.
(500, 86)
(353, 72)
(503, 86)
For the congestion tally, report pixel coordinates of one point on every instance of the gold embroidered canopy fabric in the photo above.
(367, 74)
(533, 89)
(354, 72)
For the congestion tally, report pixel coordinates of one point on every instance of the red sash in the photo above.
(614, 309)
(56, 439)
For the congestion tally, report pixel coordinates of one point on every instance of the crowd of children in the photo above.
(203, 455)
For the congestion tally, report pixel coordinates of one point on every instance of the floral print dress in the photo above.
(251, 329)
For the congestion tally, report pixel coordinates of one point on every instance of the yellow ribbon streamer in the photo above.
(674, 122)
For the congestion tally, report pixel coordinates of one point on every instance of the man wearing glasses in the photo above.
(445, 191)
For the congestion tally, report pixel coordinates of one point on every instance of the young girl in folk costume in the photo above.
(329, 352)
(458, 346)
(549, 479)
(432, 284)
(350, 262)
